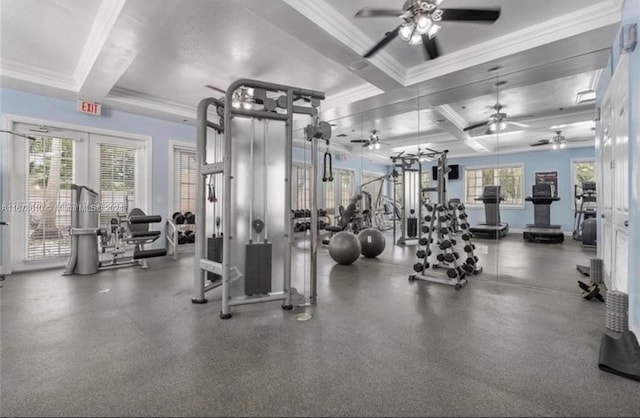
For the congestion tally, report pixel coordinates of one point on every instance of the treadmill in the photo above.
(492, 228)
(542, 230)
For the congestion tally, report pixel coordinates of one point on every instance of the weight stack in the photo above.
(617, 311)
(214, 253)
(595, 271)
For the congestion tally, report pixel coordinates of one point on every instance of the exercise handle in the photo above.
(139, 219)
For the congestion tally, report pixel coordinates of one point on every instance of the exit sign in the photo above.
(90, 108)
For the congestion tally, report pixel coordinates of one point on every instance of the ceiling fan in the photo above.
(372, 142)
(558, 141)
(419, 24)
(496, 121)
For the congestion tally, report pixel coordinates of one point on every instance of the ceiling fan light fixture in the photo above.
(433, 30)
(416, 39)
(493, 126)
(503, 126)
(562, 145)
(405, 31)
(370, 146)
(423, 23)
(377, 146)
(554, 146)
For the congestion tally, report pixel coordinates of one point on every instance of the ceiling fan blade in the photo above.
(541, 142)
(371, 12)
(215, 88)
(471, 15)
(522, 125)
(430, 46)
(477, 125)
(387, 38)
(366, 145)
(359, 141)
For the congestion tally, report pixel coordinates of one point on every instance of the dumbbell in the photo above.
(421, 253)
(461, 206)
(427, 218)
(425, 229)
(440, 257)
(468, 268)
(190, 217)
(468, 248)
(429, 208)
(418, 267)
(445, 244)
(182, 238)
(464, 226)
(466, 236)
(178, 218)
(463, 216)
(472, 260)
(450, 257)
(424, 241)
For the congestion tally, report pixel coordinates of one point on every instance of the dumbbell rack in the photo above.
(439, 225)
(172, 234)
(301, 220)
(471, 265)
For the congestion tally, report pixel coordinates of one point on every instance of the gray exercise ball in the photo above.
(344, 247)
(372, 242)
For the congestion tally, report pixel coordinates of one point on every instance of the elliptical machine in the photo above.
(584, 217)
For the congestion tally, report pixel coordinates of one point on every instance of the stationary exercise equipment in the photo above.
(542, 230)
(372, 242)
(269, 165)
(409, 175)
(585, 213)
(492, 227)
(121, 243)
(344, 247)
(437, 245)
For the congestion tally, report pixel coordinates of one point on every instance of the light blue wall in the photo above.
(533, 161)
(17, 103)
(630, 15)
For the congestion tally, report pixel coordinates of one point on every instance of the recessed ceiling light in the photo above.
(358, 65)
(585, 96)
(501, 83)
(440, 120)
(341, 135)
(492, 69)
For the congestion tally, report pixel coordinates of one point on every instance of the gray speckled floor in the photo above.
(517, 341)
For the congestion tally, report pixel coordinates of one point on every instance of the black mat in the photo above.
(620, 356)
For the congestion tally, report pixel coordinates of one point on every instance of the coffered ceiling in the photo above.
(156, 57)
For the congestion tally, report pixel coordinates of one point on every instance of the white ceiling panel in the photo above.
(48, 35)
(217, 42)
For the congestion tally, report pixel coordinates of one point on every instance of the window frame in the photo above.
(176, 146)
(509, 206)
(85, 142)
(573, 163)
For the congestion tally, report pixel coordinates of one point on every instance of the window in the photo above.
(339, 191)
(329, 197)
(425, 179)
(509, 178)
(583, 171)
(117, 181)
(50, 173)
(303, 187)
(345, 188)
(374, 185)
(186, 172)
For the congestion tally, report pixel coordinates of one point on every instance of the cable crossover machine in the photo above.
(245, 163)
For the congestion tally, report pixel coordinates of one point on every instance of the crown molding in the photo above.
(354, 94)
(130, 98)
(558, 28)
(37, 75)
(330, 20)
(101, 28)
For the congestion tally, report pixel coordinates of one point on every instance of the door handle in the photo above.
(626, 223)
